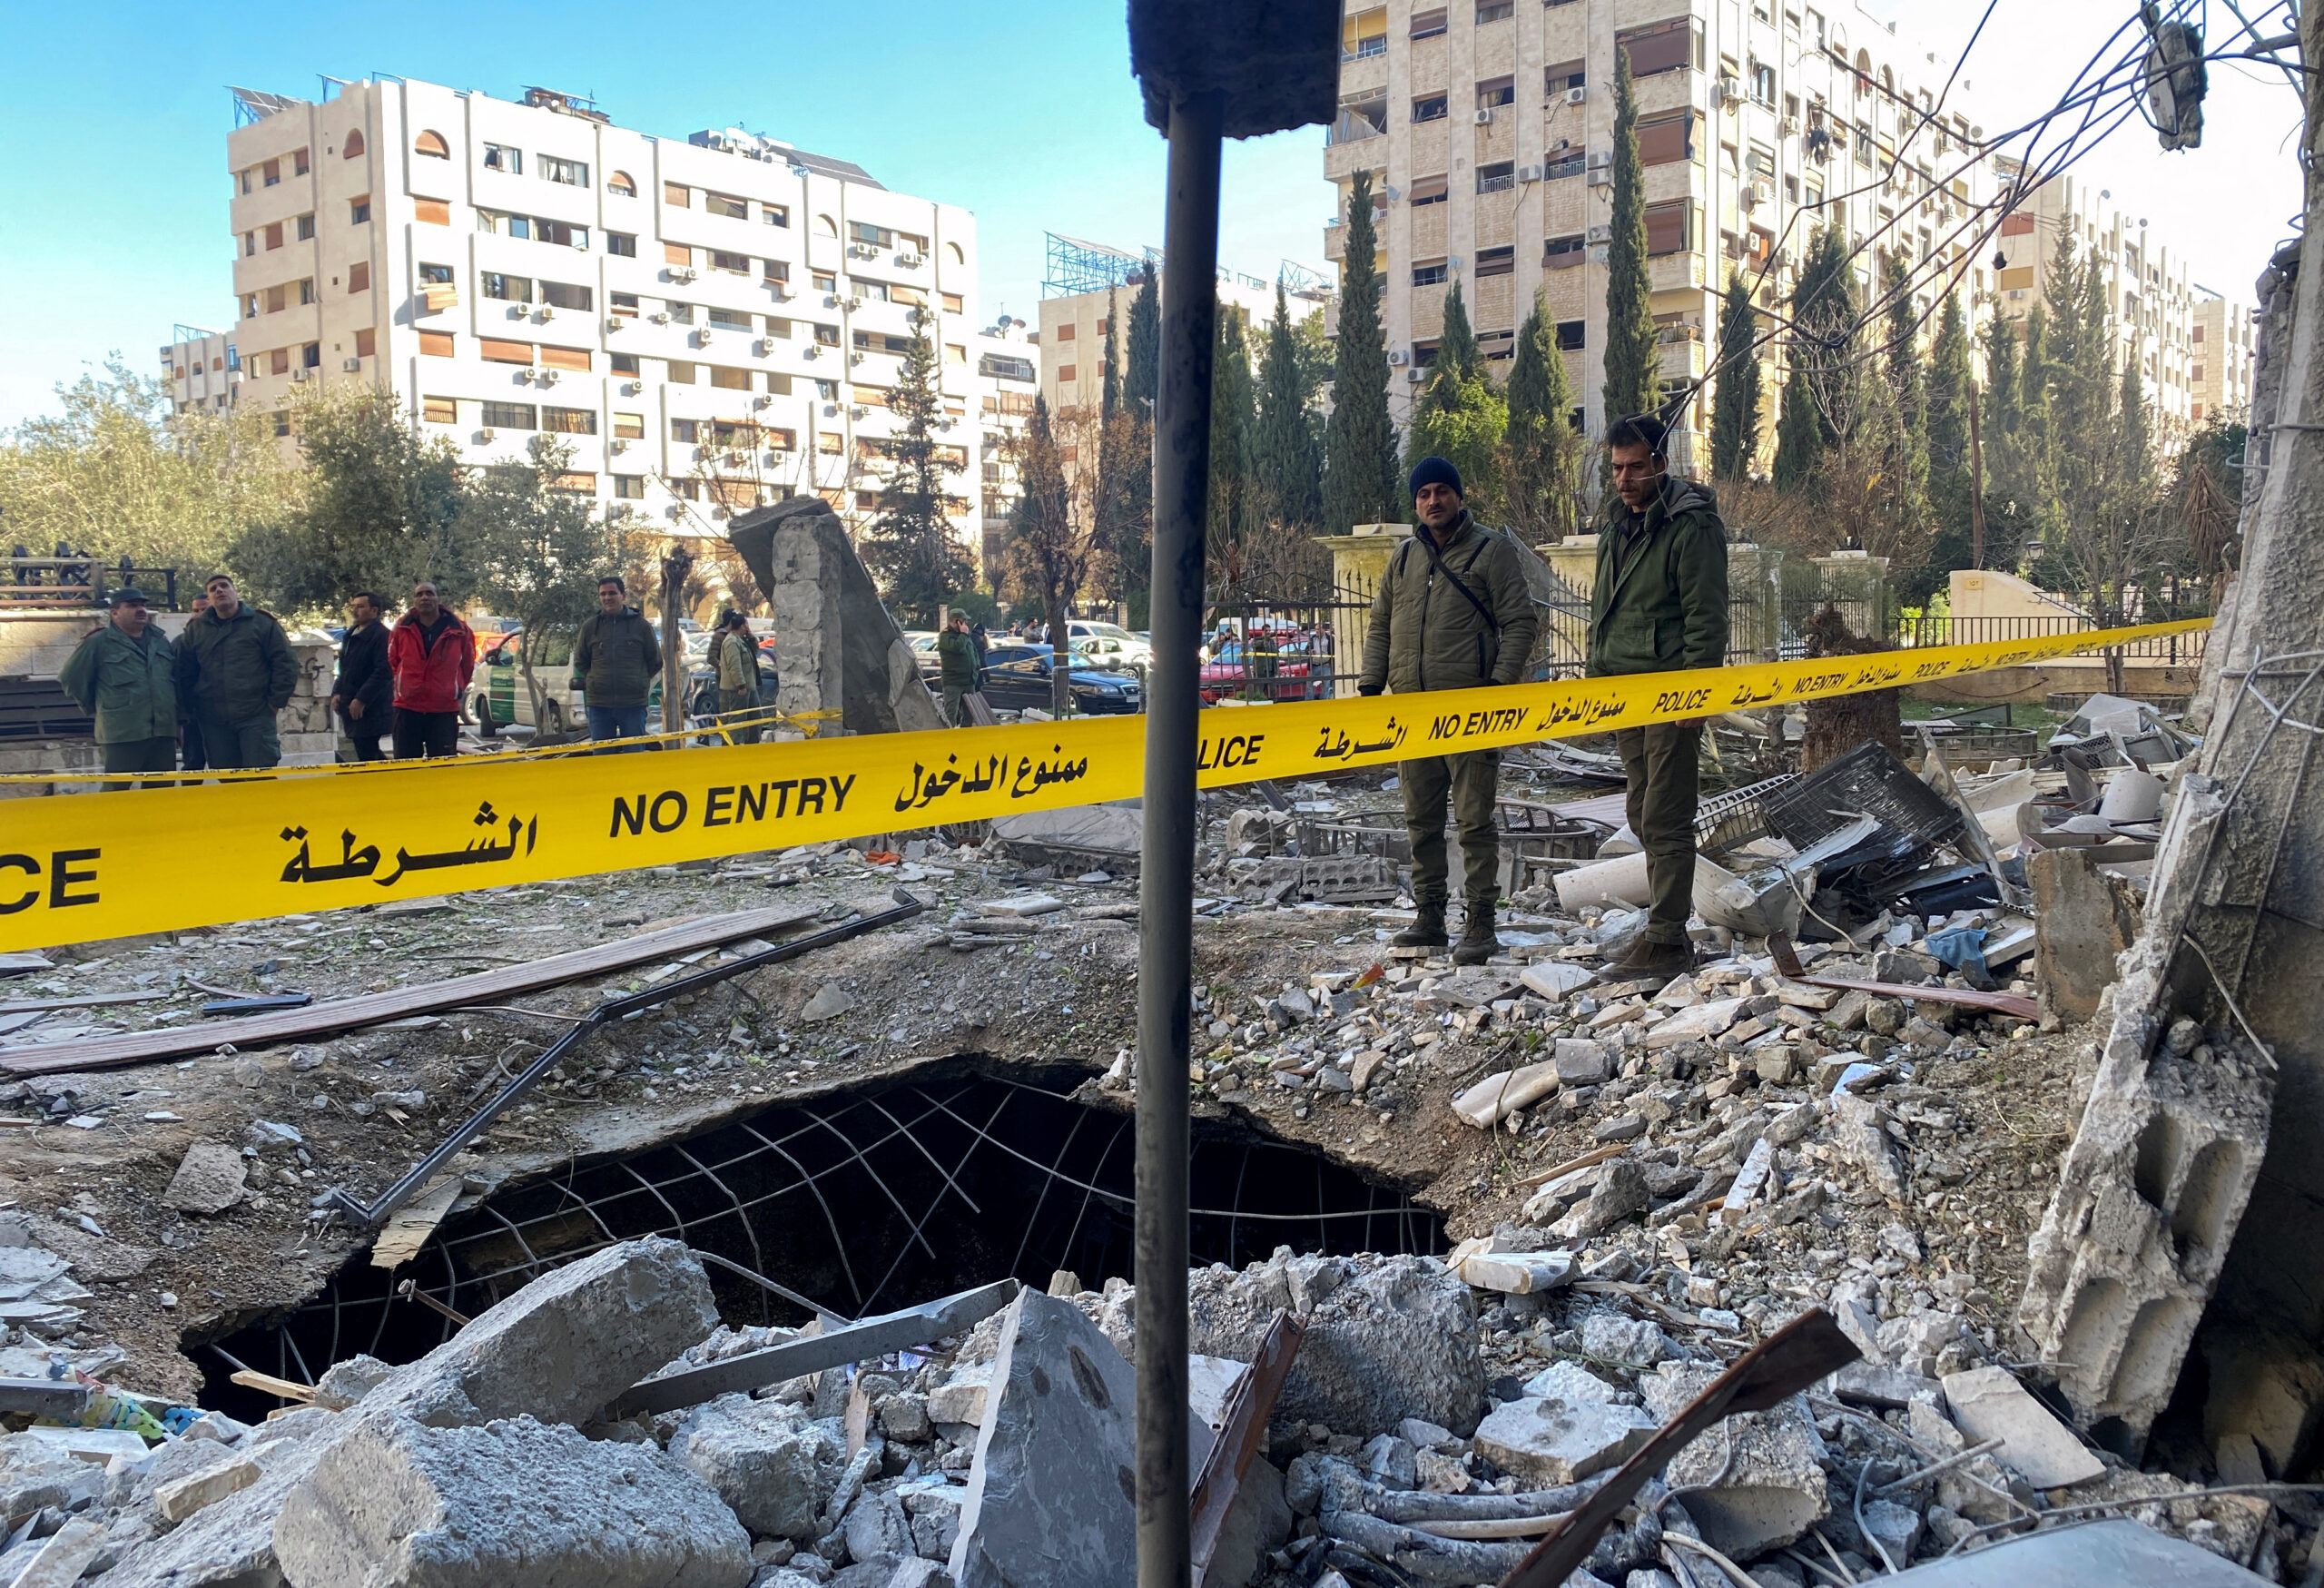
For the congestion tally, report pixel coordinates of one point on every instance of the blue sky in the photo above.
(113, 201)
(113, 207)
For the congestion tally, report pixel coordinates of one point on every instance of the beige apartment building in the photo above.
(1008, 380)
(708, 322)
(2219, 372)
(1074, 326)
(1488, 127)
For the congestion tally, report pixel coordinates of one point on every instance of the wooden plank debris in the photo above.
(346, 1013)
(1250, 1407)
(1967, 997)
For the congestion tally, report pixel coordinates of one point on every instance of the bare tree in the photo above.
(1053, 548)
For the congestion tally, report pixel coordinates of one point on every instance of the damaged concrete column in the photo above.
(2179, 1183)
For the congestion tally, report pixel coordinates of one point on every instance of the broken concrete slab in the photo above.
(1257, 1523)
(2084, 920)
(1859, 1130)
(231, 1544)
(1765, 1475)
(2115, 1551)
(1555, 980)
(1572, 1383)
(1618, 1191)
(1052, 1494)
(1869, 1383)
(36, 1475)
(1555, 1442)
(182, 1498)
(59, 1560)
(1634, 1341)
(1582, 1062)
(1698, 1022)
(208, 1179)
(768, 1461)
(394, 1504)
(831, 1000)
(1988, 1402)
(1496, 1097)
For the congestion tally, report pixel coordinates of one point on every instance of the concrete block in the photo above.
(1550, 1442)
(1868, 1383)
(1581, 1062)
(876, 1525)
(1988, 1402)
(1619, 1191)
(1611, 1337)
(182, 1498)
(1898, 1528)
(208, 1179)
(935, 1513)
(768, 1460)
(1051, 1500)
(1391, 1459)
(2083, 919)
(394, 1504)
(1388, 1337)
(1572, 1383)
(1765, 1469)
(59, 1560)
(33, 1476)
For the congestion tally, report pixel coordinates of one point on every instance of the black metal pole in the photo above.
(1167, 866)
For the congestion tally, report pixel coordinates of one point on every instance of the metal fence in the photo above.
(28, 582)
(2175, 650)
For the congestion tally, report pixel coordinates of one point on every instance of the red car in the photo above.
(1265, 667)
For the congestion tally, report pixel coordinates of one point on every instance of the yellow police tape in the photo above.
(75, 868)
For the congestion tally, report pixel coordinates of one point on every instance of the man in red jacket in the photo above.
(431, 655)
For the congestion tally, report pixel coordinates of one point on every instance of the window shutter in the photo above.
(505, 352)
(565, 358)
(435, 211)
(435, 344)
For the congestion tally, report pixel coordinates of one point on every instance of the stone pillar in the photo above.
(1856, 583)
(1359, 558)
(1754, 602)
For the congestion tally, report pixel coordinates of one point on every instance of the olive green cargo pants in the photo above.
(1660, 760)
(1472, 779)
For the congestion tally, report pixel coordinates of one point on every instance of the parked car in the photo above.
(1110, 642)
(1237, 667)
(497, 695)
(1018, 675)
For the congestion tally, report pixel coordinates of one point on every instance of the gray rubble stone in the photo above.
(1388, 1337)
(1582, 1062)
(1424, 1435)
(768, 1460)
(1552, 1443)
(1257, 1523)
(36, 1475)
(345, 1382)
(208, 1179)
(1392, 1459)
(876, 1525)
(1859, 1132)
(393, 1504)
(1896, 1528)
(935, 1512)
(1619, 1190)
(1611, 1337)
(904, 1417)
(1769, 1466)
(1051, 1500)
(1569, 1382)
(230, 1544)
(1868, 1383)
(1988, 1402)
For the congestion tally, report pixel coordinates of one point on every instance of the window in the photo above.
(622, 363)
(249, 306)
(690, 489)
(1664, 139)
(565, 295)
(778, 270)
(621, 185)
(1496, 262)
(827, 336)
(274, 299)
(306, 228)
(312, 355)
(951, 302)
(299, 163)
(731, 318)
(1423, 354)
(358, 210)
(735, 263)
(1564, 162)
(823, 281)
(571, 173)
(367, 342)
(434, 211)
(778, 328)
(1667, 46)
(679, 313)
(1497, 177)
(1431, 109)
(728, 379)
(622, 243)
(1495, 11)
(1565, 74)
(677, 253)
(1066, 373)
(1670, 227)
(278, 362)
(439, 411)
(249, 243)
(624, 305)
(435, 275)
(775, 214)
(830, 443)
(869, 235)
(1359, 120)
(358, 276)
(2195, 372)
(507, 289)
(271, 173)
(1760, 161)
(1569, 334)
(353, 148)
(685, 432)
(778, 385)
(508, 416)
(780, 441)
(677, 195)
(1429, 272)
(629, 487)
(564, 359)
(1562, 253)
(2198, 337)
(504, 353)
(273, 235)
(629, 427)
(561, 233)
(570, 421)
(1428, 25)
(502, 158)
(1064, 332)
(733, 208)
(282, 422)
(1496, 91)
(432, 145)
(435, 344)
(1763, 83)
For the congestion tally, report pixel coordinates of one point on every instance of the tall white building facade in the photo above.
(707, 323)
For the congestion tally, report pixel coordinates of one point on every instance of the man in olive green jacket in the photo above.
(1451, 612)
(1659, 605)
(125, 676)
(236, 671)
(956, 659)
(616, 656)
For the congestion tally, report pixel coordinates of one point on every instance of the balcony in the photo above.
(1675, 272)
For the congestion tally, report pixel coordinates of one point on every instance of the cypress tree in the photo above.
(1633, 363)
(1908, 471)
(1110, 401)
(1284, 454)
(1822, 342)
(1541, 451)
(1951, 478)
(1231, 427)
(910, 545)
(1735, 406)
(1144, 384)
(1799, 438)
(1360, 483)
(1456, 347)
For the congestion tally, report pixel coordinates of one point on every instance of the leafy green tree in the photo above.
(1360, 483)
(909, 545)
(2209, 493)
(113, 472)
(1235, 508)
(1541, 451)
(2011, 489)
(1125, 478)
(1633, 360)
(1286, 451)
(1821, 407)
(1052, 544)
(1735, 405)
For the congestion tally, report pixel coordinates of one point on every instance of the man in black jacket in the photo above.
(363, 695)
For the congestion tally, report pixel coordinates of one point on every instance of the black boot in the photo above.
(1426, 932)
(1477, 942)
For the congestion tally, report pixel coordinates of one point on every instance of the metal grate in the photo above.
(1868, 780)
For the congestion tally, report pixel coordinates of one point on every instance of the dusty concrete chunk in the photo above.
(1581, 1062)
(1988, 1402)
(831, 1000)
(1572, 1383)
(396, 1504)
(1496, 1097)
(876, 1525)
(1619, 1191)
(1858, 1130)
(1765, 1469)
(1553, 1442)
(1898, 1528)
(1257, 1522)
(58, 1560)
(1868, 1383)
(231, 1544)
(935, 1513)
(768, 1462)
(182, 1498)
(1553, 980)
(2083, 919)
(1052, 1496)
(208, 1179)
(1611, 1337)
(36, 1475)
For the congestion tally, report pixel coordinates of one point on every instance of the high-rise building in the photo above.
(1488, 127)
(203, 372)
(1007, 379)
(2219, 374)
(708, 323)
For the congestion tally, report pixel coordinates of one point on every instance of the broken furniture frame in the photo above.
(1249, 1405)
(367, 1216)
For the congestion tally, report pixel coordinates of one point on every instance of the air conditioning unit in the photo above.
(1576, 95)
(857, 412)
(1598, 159)
(1528, 174)
(659, 317)
(910, 261)
(1397, 355)
(621, 444)
(855, 358)
(811, 350)
(614, 323)
(831, 410)
(855, 301)
(682, 273)
(1415, 375)
(547, 313)
(783, 294)
(548, 377)
(1730, 91)
(767, 347)
(632, 388)
(702, 337)
(760, 400)
(486, 435)
(1758, 192)
(1599, 175)
(300, 373)
(831, 299)
(352, 365)
(1601, 233)
(518, 310)
(1789, 126)
(1485, 115)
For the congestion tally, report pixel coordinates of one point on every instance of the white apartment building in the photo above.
(1008, 379)
(1488, 126)
(709, 323)
(2226, 339)
(2157, 310)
